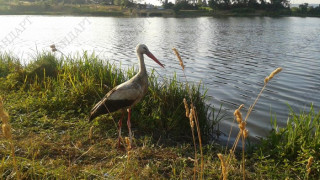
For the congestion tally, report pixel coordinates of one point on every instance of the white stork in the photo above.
(127, 94)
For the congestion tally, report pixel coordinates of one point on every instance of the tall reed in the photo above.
(193, 117)
(243, 132)
(308, 167)
(6, 130)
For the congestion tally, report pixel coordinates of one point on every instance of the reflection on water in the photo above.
(230, 55)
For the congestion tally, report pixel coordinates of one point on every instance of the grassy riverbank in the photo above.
(48, 103)
(61, 9)
(47, 8)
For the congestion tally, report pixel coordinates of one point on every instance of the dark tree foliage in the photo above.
(255, 4)
(167, 5)
(184, 5)
(308, 10)
(314, 10)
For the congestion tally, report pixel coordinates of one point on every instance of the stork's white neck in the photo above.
(142, 65)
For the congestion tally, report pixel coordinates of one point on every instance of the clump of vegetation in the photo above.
(292, 147)
(50, 98)
(75, 84)
(48, 135)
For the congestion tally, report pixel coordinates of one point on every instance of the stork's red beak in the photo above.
(150, 55)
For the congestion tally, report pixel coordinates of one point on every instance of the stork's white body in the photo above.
(133, 90)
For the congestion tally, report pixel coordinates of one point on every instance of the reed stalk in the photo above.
(243, 132)
(308, 167)
(193, 115)
(224, 167)
(6, 130)
(200, 141)
(189, 114)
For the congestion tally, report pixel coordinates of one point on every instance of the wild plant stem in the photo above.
(200, 142)
(229, 136)
(195, 117)
(243, 165)
(236, 142)
(255, 102)
(195, 154)
(14, 159)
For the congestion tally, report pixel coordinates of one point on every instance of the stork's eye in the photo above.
(144, 48)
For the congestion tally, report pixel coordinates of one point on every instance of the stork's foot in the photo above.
(120, 146)
(119, 142)
(119, 129)
(129, 140)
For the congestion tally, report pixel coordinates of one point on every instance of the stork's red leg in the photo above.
(119, 128)
(129, 125)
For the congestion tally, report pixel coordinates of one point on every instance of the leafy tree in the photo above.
(278, 4)
(185, 6)
(303, 8)
(253, 4)
(167, 5)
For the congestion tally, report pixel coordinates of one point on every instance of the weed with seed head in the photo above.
(6, 130)
(193, 117)
(243, 132)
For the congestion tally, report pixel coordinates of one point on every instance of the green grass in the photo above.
(45, 8)
(49, 100)
(76, 84)
(288, 149)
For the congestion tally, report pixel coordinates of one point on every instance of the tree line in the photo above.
(256, 4)
(282, 6)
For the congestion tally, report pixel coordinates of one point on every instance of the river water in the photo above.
(231, 55)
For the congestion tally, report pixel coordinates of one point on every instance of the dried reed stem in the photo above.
(192, 116)
(243, 160)
(266, 80)
(310, 161)
(243, 132)
(194, 140)
(6, 130)
(182, 66)
(179, 57)
(236, 142)
(237, 112)
(238, 117)
(186, 107)
(224, 167)
(200, 141)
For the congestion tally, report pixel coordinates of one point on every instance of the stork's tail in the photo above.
(99, 109)
(92, 117)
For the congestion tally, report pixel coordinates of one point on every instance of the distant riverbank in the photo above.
(118, 11)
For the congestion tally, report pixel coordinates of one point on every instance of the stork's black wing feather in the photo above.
(106, 106)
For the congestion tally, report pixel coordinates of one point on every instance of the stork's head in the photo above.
(143, 49)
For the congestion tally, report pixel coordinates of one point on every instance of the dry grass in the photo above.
(308, 167)
(193, 117)
(243, 132)
(7, 133)
(224, 166)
